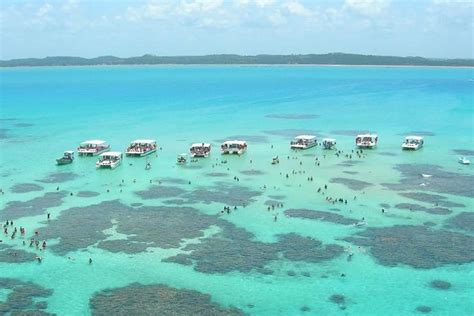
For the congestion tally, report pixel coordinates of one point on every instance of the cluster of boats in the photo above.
(144, 147)
(361, 141)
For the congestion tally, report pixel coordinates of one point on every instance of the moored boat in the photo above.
(200, 150)
(141, 147)
(367, 140)
(182, 159)
(303, 142)
(67, 158)
(234, 147)
(464, 161)
(92, 148)
(329, 143)
(413, 143)
(110, 159)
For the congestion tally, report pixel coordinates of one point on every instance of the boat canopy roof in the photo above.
(94, 142)
(111, 154)
(329, 140)
(201, 145)
(182, 155)
(69, 152)
(238, 142)
(306, 137)
(367, 135)
(413, 137)
(144, 141)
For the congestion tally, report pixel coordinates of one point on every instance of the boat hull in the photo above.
(61, 162)
(134, 154)
(232, 152)
(303, 146)
(199, 155)
(404, 147)
(108, 166)
(366, 146)
(92, 153)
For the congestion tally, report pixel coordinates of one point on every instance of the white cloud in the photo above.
(296, 8)
(258, 3)
(264, 3)
(368, 8)
(276, 19)
(44, 10)
(199, 6)
(70, 6)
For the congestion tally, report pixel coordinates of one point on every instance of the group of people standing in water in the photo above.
(34, 241)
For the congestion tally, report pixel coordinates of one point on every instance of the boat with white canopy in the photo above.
(141, 147)
(92, 147)
(200, 150)
(367, 140)
(303, 142)
(413, 143)
(110, 159)
(329, 143)
(234, 147)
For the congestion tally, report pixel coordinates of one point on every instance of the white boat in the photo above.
(110, 159)
(413, 143)
(200, 150)
(275, 160)
(141, 147)
(92, 147)
(234, 147)
(182, 159)
(464, 161)
(329, 143)
(303, 142)
(367, 140)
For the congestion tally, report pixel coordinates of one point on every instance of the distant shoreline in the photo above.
(331, 60)
(239, 65)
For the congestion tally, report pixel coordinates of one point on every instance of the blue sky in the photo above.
(431, 28)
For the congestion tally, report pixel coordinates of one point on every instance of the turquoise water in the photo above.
(46, 111)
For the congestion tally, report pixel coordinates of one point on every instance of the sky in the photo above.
(124, 28)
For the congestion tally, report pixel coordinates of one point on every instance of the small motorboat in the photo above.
(464, 161)
(182, 159)
(275, 160)
(67, 158)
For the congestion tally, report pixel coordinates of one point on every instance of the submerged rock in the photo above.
(59, 177)
(156, 300)
(352, 184)
(463, 221)
(87, 194)
(33, 207)
(26, 187)
(441, 181)
(440, 284)
(420, 208)
(320, 215)
(23, 298)
(416, 246)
